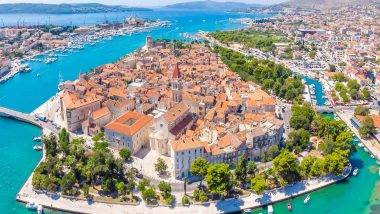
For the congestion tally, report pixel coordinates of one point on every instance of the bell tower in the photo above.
(176, 85)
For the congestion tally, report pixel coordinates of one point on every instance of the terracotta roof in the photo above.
(129, 123)
(185, 143)
(175, 112)
(101, 113)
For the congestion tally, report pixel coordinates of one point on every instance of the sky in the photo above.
(137, 3)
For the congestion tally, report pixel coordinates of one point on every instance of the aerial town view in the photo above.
(180, 106)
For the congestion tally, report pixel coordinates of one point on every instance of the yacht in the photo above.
(37, 147)
(307, 199)
(37, 139)
(31, 205)
(355, 172)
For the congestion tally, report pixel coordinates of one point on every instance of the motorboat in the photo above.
(37, 139)
(365, 149)
(40, 209)
(38, 75)
(289, 206)
(270, 209)
(31, 205)
(378, 162)
(355, 172)
(37, 147)
(247, 211)
(307, 199)
(372, 156)
(360, 144)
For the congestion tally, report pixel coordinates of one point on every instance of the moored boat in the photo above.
(40, 209)
(31, 205)
(355, 172)
(37, 147)
(307, 199)
(289, 206)
(37, 139)
(247, 211)
(270, 209)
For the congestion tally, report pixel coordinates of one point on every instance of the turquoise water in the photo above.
(26, 92)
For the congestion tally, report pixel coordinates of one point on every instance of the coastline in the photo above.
(229, 205)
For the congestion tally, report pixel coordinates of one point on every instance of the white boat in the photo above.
(50, 60)
(379, 171)
(372, 156)
(38, 75)
(365, 149)
(31, 205)
(37, 147)
(247, 211)
(355, 172)
(270, 209)
(360, 144)
(40, 209)
(37, 139)
(307, 199)
(378, 162)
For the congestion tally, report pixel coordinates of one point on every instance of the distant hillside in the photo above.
(326, 4)
(211, 5)
(63, 8)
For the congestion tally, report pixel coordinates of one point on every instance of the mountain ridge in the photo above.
(211, 5)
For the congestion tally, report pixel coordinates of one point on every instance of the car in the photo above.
(139, 175)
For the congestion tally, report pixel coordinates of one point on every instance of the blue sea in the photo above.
(25, 92)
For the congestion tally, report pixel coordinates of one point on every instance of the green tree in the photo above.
(367, 127)
(67, 183)
(125, 153)
(100, 146)
(185, 200)
(86, 190)
(258, 184)
(251, 168)
(98, 136)
(165, 189)
(362, 110)
(366, 94)
(219, 178)
(336, 161)
(149, 194)
(306, 166)
(50, 142)
(273, 150)
(109, 185)
(160, 166)
(120, 186)
(64, 141)
(199, 168)
(143, 183)
(317, 168)
(312, 54)
(241, 170)
(286, 165)
(299, 137)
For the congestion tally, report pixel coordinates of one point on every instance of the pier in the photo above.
(27, 118)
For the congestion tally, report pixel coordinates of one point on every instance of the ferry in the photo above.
(307, 199)
(31, 205)
(37, 147)
(37, 139)
(355, 172)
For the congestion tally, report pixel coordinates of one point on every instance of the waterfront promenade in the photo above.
(371, 144)
(229, 205)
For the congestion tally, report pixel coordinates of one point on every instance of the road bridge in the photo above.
(27, 118)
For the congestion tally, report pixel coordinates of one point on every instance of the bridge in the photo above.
(27, 118)
(330, 109)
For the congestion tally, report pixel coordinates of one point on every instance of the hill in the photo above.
(211, 5)
(63, 8)
(326, 4)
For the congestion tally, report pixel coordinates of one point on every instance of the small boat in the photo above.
(355, 172)
(378, 162)
(247, 211)
(40, 209)
(31, 205)
(365, 149)
(372, 156)
(360, 144)
(270, 209)
(38, 75)
(379, 171)
(307, 199)
(289, 206)
(37, 139)
(37, 147)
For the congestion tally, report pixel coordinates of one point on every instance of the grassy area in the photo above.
(263, 40)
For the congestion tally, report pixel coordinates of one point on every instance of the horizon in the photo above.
(133, 3)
